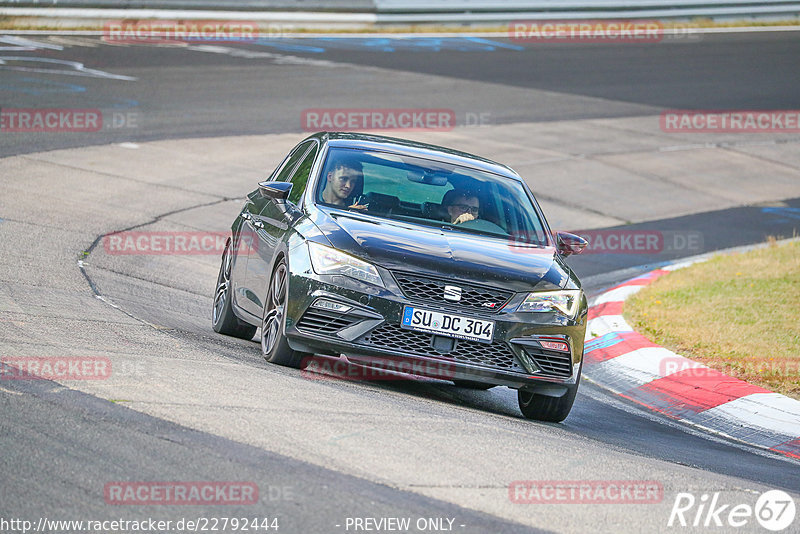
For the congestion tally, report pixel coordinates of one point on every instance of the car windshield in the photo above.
(429, 192)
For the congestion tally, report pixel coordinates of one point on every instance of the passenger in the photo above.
(461, 206)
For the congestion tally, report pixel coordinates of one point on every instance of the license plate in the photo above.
(446, 324)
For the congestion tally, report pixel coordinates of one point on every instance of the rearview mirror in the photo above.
(569, 244)
(424, 176)
(275, 190)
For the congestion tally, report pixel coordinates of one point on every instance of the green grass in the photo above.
(737, 313)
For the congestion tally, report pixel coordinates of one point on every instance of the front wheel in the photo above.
(274, 346)
(543, 408)
(223, 320)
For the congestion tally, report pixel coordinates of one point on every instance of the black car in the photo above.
(379, 249)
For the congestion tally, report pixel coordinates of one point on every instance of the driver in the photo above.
(346, 178)
(461, 206)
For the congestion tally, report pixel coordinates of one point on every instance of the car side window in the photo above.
(286, 171)
(300, 177)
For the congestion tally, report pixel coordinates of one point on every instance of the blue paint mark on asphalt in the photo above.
(602, 342)
(289, 45)
(495, 44)
(387, 44)
(124, 104)
(38, 87)
(783, 214)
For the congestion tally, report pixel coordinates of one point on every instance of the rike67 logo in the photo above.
(774, 510)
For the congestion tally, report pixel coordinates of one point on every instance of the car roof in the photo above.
(414, 148)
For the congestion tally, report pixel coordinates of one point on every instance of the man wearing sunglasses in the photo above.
(461, 206)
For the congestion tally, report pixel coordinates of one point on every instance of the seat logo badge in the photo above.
(452, 293)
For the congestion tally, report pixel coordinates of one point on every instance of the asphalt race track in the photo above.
(188, 129)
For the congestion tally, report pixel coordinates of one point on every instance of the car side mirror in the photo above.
(275, 190)
(569, 244)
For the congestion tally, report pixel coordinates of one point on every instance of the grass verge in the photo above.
(737, 313)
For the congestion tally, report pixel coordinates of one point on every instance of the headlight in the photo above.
(565, 302)
(327, 260)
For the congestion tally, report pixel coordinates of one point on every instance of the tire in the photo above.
(470, 384)
(223, 320)
(274, 346)
(543, 408)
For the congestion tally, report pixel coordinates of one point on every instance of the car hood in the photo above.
(401, 246)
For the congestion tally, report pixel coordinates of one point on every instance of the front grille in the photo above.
(392, 337)
(473, 297)
(551, 362)
(320, 321)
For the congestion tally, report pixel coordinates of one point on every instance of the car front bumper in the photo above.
(362, 321)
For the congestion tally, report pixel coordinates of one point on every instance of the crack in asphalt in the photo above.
(88, 251)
